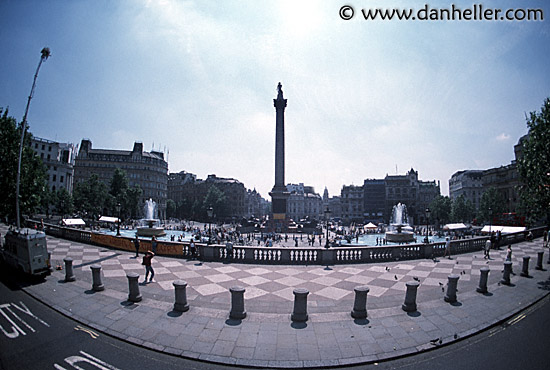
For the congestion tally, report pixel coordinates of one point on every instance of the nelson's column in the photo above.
(279, 193)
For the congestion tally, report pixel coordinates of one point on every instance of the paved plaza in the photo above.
(267, 337)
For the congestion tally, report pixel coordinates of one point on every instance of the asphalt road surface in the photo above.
(33, 336)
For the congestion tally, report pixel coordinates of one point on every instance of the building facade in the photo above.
(304, 202)
(374, 199)
(149, 170)
(352, 203)
(59, 159)
(467, 183)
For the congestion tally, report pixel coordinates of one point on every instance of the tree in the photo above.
(90, 196)
(534, 165)
(461, 210)
(133, 195)
(216, 199)
(33, 185)
(491, 204)
(440, 209)
(63, 202)
(171, 208)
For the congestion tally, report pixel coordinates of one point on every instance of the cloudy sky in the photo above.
(196, 79)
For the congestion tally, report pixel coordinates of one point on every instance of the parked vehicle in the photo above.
(26, 250)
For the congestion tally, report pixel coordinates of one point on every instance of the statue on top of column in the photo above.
(279, 91)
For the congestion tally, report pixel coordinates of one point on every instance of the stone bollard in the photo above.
(133, 286)
(506, 273)
(97, 284)
(360, 303)
(482, 288)
(69, 273)
(300, 305)
(525, 267)
(180, 288)
(451, 288)
(540, 256)
(410, 296)
(237, 303)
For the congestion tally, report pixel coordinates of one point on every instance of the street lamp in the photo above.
(118, 221)
(327, 216)
(427, 224)
(45, 55)
(210, 212)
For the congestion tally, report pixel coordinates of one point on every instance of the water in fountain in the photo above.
(399, 221)
(152, 223)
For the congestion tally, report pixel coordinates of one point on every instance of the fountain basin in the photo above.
(399, 237)
(150, 229)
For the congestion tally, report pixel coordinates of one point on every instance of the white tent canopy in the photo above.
(73, 222)
(502, 229)
(370, 225)
(455, 227)
(109, 219)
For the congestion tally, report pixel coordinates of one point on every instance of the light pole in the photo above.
(118, 221)
(427, 224)
(327, 216)
(210, 212)
(45, 55)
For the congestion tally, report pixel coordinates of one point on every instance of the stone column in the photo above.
(525, 267)
(482, 288)
(237, 303)
(360, 303)
(506, 273)
(451, 288)
(300, 305)
(97, 284)
(180, 289)
(133, 287)
(69, 273)
(410, 296)
(540, 256)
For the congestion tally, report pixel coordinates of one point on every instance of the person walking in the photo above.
(148, 266)
(193, 249)
(447, 248)
(487, 249)
(136, 245)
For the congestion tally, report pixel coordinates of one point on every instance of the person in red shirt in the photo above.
(148, 268)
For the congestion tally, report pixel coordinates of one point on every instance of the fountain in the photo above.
(152, 224)
(399, 221)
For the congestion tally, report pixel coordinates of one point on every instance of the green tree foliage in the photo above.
(534, 165)
(33, 185)
(440, 210)
(462, 210)
(63, 202)
(171, 208)
(133, 196)
(90, 197)
(216, 199)
(491, 204)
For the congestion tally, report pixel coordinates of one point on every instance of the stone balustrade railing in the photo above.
(284, 255)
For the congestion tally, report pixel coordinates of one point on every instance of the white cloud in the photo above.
(503, 137)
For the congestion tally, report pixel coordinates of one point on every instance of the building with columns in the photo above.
(59, 159)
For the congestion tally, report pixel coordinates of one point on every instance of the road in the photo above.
(33, 336)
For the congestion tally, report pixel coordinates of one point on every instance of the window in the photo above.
(54, 177)
(60, 178)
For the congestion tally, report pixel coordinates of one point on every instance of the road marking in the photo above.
(516, 319)
(92, 333)
(74, 360)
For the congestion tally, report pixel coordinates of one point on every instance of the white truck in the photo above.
(26, 250)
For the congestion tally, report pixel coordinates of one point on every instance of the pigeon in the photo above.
(440, 284)
(440, 341)
(457, 262)
(464, 272)
(434, 341)
(442, 289)
(456, 336)
(387, 268)
(395, 277)
(415, 278)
